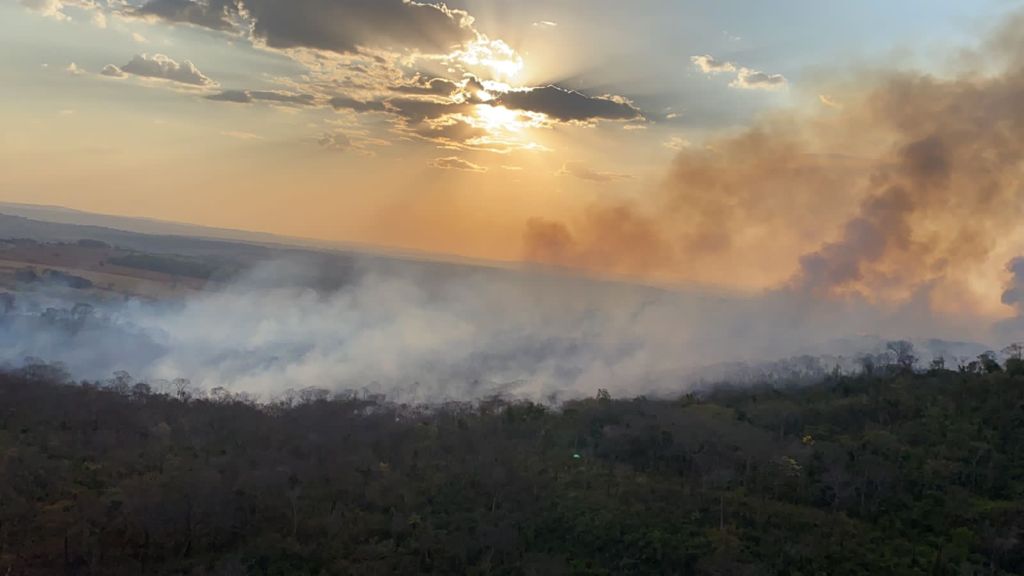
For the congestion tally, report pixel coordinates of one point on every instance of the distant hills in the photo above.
(57, 223)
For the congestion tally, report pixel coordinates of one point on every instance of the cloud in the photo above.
(829, 101)
(676, 143)
(445, 122)
(214, 14)
(431, 87)
(418, 110)
(273, 96)
(348, 103)
(710, 65)
(581, 171)
(342, 26)
(99, 19)
(452, 114)
(139, 38)
(50, 8)
(568, 105)
(494, 57)
(345, 25)
(73, 69)
(162, 67)
(112, 71)
(545, 24)
(748, 79)
(453, 131)
(454, 163)
(337, 141)
(354, 64)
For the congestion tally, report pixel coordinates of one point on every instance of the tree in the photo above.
(1014, 359)
(1014, 351)
(988, 361)
(903, 354)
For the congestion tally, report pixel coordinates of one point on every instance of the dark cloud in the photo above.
(444, 111)
(437, 120)
(348, 103)
(342, 26)
(454, 163)
(568, 105)
(237, 96)
(214, 14)
(163, 67)
(418, 110)
(345, 25)
(431, 87)
(273, 96)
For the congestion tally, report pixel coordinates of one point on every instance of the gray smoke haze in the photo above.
(421, 336)
(1013, 328)
(891, 216)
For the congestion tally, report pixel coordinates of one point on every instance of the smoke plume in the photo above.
(914, 184)
(422, 334)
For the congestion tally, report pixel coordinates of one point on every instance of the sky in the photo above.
(864, 149)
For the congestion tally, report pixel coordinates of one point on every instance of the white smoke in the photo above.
(433, 334)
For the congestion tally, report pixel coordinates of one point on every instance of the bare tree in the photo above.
(1014, 351)
(903, 354)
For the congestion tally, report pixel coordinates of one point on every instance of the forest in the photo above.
(892, 470)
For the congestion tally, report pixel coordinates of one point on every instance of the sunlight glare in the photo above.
(499, 118)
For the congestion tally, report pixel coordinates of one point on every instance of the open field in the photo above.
(96, 264)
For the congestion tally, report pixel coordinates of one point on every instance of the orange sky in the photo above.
(545, 133)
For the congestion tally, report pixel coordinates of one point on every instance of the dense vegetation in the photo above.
(173, 265)
(888, 472)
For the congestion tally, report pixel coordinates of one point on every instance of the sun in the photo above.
(508, 127)
(498, 118)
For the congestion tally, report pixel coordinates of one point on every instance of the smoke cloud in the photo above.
(432, 333)
(913, 185)
(891, 216)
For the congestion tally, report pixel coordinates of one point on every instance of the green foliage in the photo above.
(905, 473)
